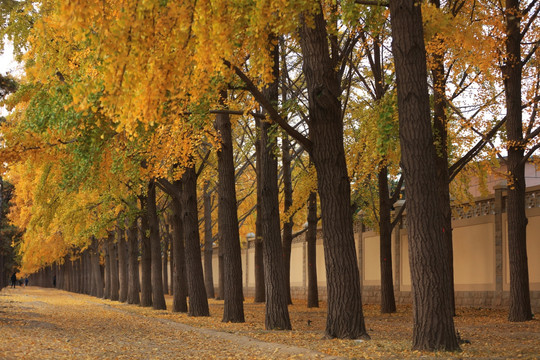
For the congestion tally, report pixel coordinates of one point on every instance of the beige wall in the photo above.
(533, 250)
(474, 254)
(405, 272)
(298, 265)
(474, 257)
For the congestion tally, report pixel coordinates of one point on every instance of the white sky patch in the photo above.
(8, 65)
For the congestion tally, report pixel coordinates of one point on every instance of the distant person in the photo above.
(25, 282)
(14, 280)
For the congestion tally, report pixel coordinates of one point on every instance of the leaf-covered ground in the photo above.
(41, 323)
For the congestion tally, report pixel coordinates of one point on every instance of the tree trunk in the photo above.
(133, 264)
(345, 317)
(165, 259)
(433, 325)
(228, 224)
(198, 302)
(179, 275)
(158, 298)
(311, 239)
(87, 271)
(287, 204)
(208, 243)
(520, 302)
(113, 277)
(388, 301)
(122, 264)
(97, 279)
(440, 135)
(107, 270)
(277, 313)
(146, 257)
(259, 266)
(221, 268)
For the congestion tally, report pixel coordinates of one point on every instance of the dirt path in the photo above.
(41, 323)
(38, 323)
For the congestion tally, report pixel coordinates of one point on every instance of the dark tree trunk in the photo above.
(388, 301)
(208, 243)
(113, 261)
(165, 259)
(287, 178)
(146, 257)
(228, 224)
(179, 275)
(221, 268)
(88, 262)
(433, 327)
(259, 266)
(97, 279)
(520, 302)
(345, 316)
(77, 275)
(440, 135)
(171, 246)
(198, 302)
(107, 270)
(287, 204)
(311, 239)
(277, 313)
(122, 264)
(158, 298)
(133, 264)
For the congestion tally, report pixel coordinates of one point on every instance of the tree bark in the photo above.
(179, 275)
(520, 302)
(259, 261)
(146, 257)
(107, 270)
(221, 279)
(97, 279)
(208, 243)
(345, 317)
(311, 239)
(388, 301)
(158, 298)
(198, 302)
(113, 266)
(228, 224)
(277, 313)
(133, 264)
(440, 135)
(433, 325)
(165, 259)
(122, 264)
(287, 204)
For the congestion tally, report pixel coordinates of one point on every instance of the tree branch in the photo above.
(270, 109)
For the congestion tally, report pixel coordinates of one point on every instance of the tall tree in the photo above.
(179, 273)
(311, 239)
(277, 313)
(198, 302)
(258, 256)
(113, 267)
(323, 80)
(158, 298)
(133, 263)
(229, 237)
(520, 303)
(208, 241)
(122, 264)
(433, 326)
(146, 255)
